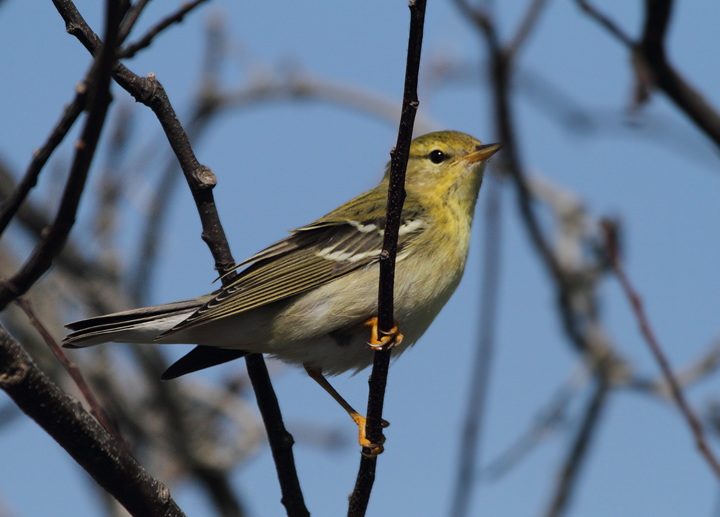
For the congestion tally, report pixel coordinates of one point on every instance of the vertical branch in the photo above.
(479, 381)
(396, 197)
(292, 497)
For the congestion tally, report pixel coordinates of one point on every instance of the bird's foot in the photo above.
(375, 449)
(389, 339)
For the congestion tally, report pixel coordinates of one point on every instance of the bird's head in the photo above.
(448, 166)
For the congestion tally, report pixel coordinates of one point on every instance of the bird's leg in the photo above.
(390, 339)
(360, 420)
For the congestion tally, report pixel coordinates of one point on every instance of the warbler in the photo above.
(309, 298)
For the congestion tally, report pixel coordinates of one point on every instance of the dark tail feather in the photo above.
(199, 358)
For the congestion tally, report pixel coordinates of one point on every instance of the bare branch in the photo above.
(94, 449)
(700, 369)
(277, 434)
(651, 50)
(396, 197)
(606, 22)
(55, 237)
(526, 26)
(550, 416)
(695, 427)
(96, 409)
(131, 49)
(131, 19)
(72, 111)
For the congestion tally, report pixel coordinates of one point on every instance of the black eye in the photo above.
(437, 156)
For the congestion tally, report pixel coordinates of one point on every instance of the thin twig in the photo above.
(70, 114)
(606, 22)
(647, 331)
(131, 49)
(396, 196)
(529, 21)
(468, 455)
(96, 409)
(501, 67)
(701, 368)
(131, 19)
(36, 221)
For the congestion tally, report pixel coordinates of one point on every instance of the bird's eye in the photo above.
(437, 156)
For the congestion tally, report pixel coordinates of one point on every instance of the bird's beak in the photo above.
(483, 153)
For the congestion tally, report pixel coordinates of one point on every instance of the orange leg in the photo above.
(360, 420)
(390, 339)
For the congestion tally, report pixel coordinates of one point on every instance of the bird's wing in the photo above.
(313, 255)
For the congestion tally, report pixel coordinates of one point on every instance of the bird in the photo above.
(311, 298)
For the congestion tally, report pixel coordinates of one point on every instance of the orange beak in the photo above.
(483, 153)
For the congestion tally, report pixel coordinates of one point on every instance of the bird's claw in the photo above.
(375, 449)
(389, 339)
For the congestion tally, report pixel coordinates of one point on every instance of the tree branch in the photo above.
(98, 101)
(282, 441)
(647, 331)
(87, 442)
(651, 50)
(527, 24)
(396, 196)
(72, 111)
(96, 409)
(131, 49)
(131, 19)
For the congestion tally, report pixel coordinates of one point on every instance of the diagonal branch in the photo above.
(72, 111)
(280, 439)
(98, 102)
(647, 331)
(96, 409)
(396, 196)
(87, 442)
(131, 18)
(606, 22)
(131, 49)
(527, 24)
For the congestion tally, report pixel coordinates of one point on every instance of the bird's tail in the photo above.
(135, 326)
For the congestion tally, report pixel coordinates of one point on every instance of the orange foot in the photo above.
(390, 339)
(375, 449)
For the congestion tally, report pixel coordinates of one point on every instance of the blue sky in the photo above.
(283, 164)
